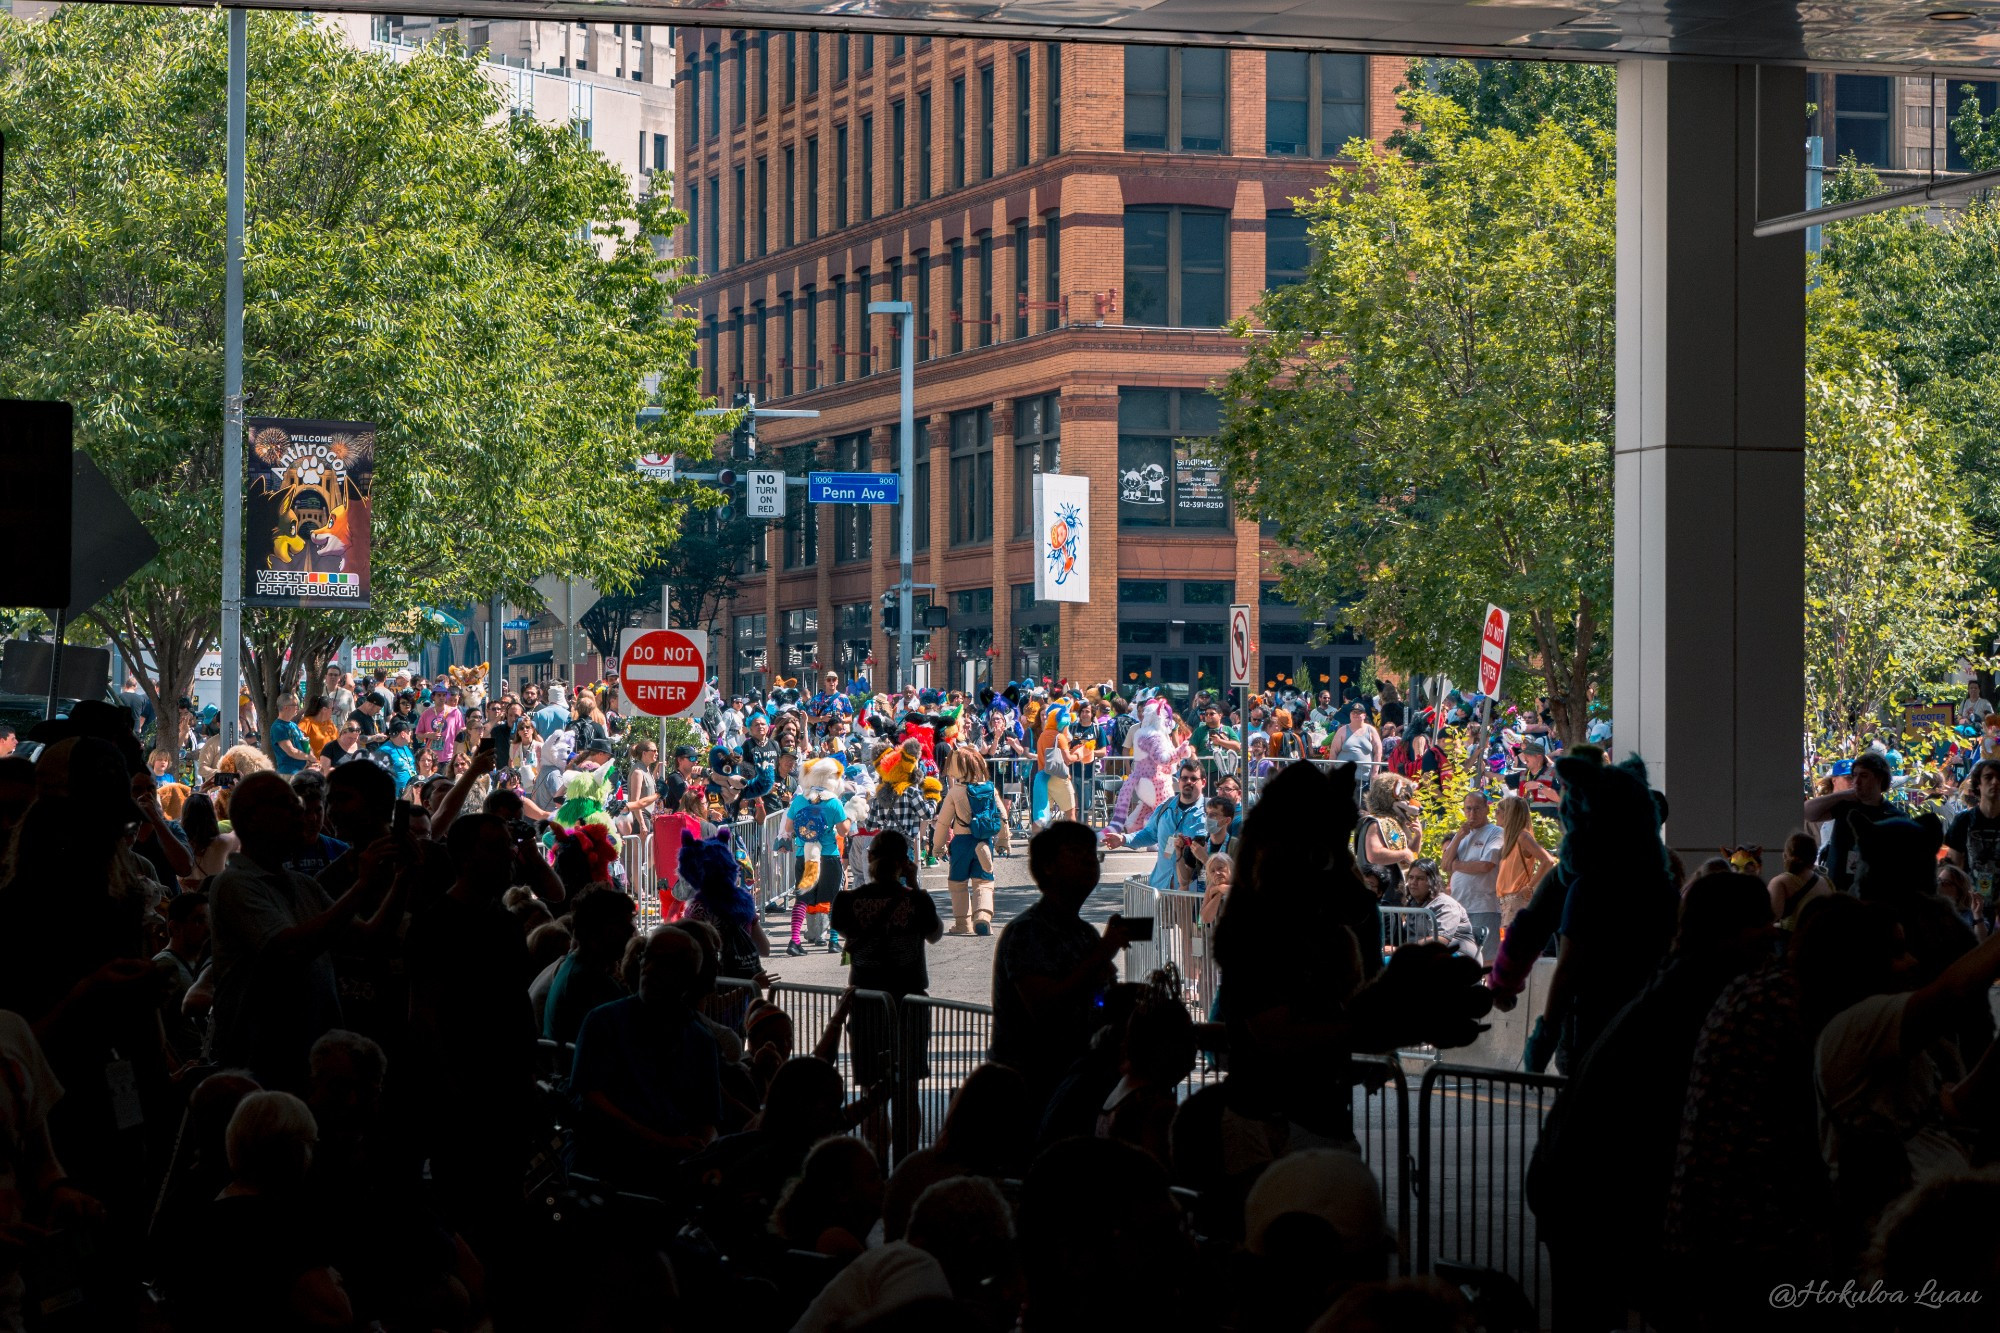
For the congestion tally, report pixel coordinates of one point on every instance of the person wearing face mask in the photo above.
(1175, 823)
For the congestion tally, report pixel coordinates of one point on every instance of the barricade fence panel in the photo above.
(1452, 1177)
(1405, 925)
(941, 1043)
(1476, 1130)
(635, 856)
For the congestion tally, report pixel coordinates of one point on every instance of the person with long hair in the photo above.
(1523, 860)
(210, 845)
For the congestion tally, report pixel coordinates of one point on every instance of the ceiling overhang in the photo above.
(1889, 35)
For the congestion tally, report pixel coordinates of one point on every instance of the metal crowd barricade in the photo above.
(1142, 957)
(1381, 1110)
(1405, 925)
(1476, 1130)
(1179, 937)
(1013, 778)
(635, 853)
(940, 1043)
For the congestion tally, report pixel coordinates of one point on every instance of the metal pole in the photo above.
(496, 649)
(666, 607)
(232, 390)
(569, 636)
(55, 661)
(906, 612)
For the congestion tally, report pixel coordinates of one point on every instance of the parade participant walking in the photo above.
(815, 821)
(968, 820)
(1174, 823)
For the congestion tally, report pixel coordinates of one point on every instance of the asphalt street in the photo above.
(961, 966)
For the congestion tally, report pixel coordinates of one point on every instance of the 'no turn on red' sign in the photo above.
(1492, 650)
(661, 671)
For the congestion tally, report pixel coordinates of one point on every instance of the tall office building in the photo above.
(1075, 226)
(614, 81)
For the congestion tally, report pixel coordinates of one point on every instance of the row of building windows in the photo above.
(1176, 100)
(1166, 478)
(1176, 275)
(972, 144)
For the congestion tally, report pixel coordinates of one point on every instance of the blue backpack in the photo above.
(984, 823)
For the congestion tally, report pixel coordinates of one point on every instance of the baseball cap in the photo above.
(1336, 1187)
(686, 752)
(597, 745)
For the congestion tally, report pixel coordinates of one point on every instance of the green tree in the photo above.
(1929, 297)
(1429, 416)
(699, 565)
(483, 287)
(1883, 541)
(1512, 95)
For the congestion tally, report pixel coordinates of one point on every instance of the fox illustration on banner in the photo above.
(1062, 510)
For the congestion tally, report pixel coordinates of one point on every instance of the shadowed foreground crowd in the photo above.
(311, 1094)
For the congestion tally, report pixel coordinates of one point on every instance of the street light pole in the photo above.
(232, 387)
(907, 518)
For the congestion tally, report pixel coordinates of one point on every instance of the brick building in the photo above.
(1074, 224)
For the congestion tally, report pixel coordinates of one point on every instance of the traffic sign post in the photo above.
(1239, 663)
(661, 671)
(660, 467)
(1239, 646)
(1492, 650)
(765, 494)
(854, 488)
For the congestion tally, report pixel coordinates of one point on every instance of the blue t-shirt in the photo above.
(282, 731)
(402, 763)
(816, 823)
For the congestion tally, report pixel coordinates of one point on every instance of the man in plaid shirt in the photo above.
(907, 813)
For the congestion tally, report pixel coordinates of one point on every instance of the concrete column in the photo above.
(1708, 656)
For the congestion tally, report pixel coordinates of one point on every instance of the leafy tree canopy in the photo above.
(481, 286)
(1430, 416)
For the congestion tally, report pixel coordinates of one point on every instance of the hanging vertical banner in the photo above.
(1062, 518)
(306, 525)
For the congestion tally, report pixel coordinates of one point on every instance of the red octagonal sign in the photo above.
(1492, 650)
(661, 671)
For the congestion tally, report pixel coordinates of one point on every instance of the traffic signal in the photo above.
(743, 440)
(891, 616)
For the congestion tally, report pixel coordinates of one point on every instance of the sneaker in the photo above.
(982, 927)
(833, 944)
(795, 949)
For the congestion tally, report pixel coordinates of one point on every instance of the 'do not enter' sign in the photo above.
(661, 671)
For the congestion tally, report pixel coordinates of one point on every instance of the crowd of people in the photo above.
(347, 1047)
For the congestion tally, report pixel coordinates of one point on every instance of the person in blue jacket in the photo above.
(1181, 817)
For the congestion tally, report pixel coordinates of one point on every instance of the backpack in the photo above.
(983, 812)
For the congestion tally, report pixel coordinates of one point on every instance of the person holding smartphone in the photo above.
(886, 926)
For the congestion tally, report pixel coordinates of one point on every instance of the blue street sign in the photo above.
(516, 624)
(853, 488)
